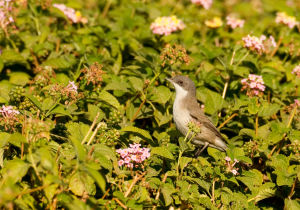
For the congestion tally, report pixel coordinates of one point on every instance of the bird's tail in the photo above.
(219, 144)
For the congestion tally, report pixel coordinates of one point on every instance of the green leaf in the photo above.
(160, 94)
(63, 62)
(34, 100)
(162, 151)
(11, 57)
(77, 132)
(253, 108)
(140, 131)
(251, 179)
(14, 170)
(184, 161)
(81, 183)
(100, 180)
(109, 99)
(19, 78)
(167, 190)
(93, 110)
(16, 139)
(291, 204)
(267, 109)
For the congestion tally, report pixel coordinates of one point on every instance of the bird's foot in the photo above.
(199, 151)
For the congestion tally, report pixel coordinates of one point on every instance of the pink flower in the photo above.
(296, 71)
(121, 162)
(259, 45)
(228, 159)
(297, 102)
(5, 14)
(253, 43)
(134, 155)
(72, 87)
(9, 117)
(234, 172)
(204, 3)
(254, 85)
(283, 18)
(74, 16)
(166, 25)
(234, 22)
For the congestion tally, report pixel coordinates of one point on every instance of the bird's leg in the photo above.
(199, 151)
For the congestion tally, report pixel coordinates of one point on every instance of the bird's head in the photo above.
(183, 85)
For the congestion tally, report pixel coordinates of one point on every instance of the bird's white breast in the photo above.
(181, 115)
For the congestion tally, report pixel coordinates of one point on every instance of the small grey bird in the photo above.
(186, 109)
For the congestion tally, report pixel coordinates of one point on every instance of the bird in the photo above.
(187, 109)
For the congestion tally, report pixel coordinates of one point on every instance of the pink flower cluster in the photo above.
(5, 13)
(9, 117)
(259, 45)
(133, 156)
(253, 43)
(166, 25)
(290, 21)
(234, 22)
(230, 166)
(296, 71)
(74, 16)
(204, 3)
(254, 85)
(71, 87)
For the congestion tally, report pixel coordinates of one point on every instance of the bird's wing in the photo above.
(197, 114)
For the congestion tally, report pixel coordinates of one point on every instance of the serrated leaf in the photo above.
(140, 131)
(19, 78)
(81, 183)
(291, 204)
(14, 170)
(160, 94)
(162, 151)
(167, 190)
(109, 99)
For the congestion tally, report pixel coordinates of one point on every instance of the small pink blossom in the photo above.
(254, 85)
(121, 162)
(230, 166)
(253, 43)
(283, 18)
(234, 22)
(234, 172)
(9, 117)
(296, 71)
(204, 3)
(228, 159)
(259, 45)
(297, 102)
(5, 14)
(74, 16)
(134, 155)
(72, 86)
(166, 25)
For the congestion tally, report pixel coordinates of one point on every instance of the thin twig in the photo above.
(135, 180)
(277, 47)
(226, 121)
(120, 203)
(94, 133)
(139, 109)
(256, 124)
(158, 191)
(106, 8)
(213, 192)
(293, 189)
(91, 128)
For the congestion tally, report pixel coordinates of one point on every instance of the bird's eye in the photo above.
(180, 82)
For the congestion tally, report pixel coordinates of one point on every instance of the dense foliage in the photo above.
(86, 110)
